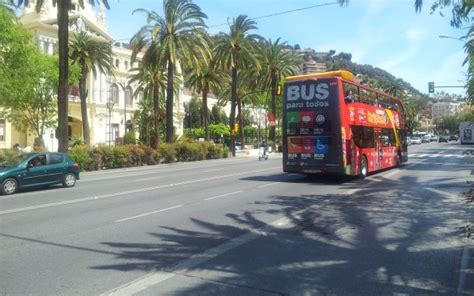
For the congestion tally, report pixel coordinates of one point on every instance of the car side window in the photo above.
(38, 160)
(56, 158)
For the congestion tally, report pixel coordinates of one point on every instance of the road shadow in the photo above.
(388, 237)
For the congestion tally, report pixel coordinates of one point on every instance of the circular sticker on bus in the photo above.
(320, 119)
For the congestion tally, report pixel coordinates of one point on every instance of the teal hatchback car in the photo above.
(38, 169)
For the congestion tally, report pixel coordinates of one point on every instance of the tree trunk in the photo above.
(85, 120)
(232, 109)
(39, 142)
(156, 116)
(169, 104)
(63, 31)
(241, 123)
(273, 110)
(205, 116)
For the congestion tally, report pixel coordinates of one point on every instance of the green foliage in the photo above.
(75, 142)
(29, 79)
(193, 112)
(189, 152)
(216, 131)
(194, 133)
(82, 155)
(218, 115)
(250, 132)
(9, 156)
(167, 153)
(129, 138)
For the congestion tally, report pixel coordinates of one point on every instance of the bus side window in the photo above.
(351, 93)
(363, 136)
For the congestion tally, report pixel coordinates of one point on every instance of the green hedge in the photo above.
(104, 157)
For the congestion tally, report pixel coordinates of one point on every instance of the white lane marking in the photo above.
(149, 178)
(214, 170)
(149, 213)
(268, 184)
(54, 204)
(223, 195)
(184, 266)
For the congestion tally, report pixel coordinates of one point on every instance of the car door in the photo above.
(36, 171)
(56, 167)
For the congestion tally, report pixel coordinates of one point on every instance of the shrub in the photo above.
(225, 152)
(137, 155)
(130, 138)
(75, 142)
(150, 156)
(214, 151)
(186, 151)
(108, 159)
(167, 153)
(121, 155)
(81, 154)
(8, 156)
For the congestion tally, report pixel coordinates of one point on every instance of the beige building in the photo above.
(110, 102)
(444, 109)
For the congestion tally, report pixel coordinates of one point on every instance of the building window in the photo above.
(126, 65)
(114, 93)
(2, 130)
(117, 63)
(115, 131)
(128, 96)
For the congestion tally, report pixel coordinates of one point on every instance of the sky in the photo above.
(388, 34)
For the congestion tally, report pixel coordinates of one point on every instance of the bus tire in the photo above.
(364, 169)
(399, 159)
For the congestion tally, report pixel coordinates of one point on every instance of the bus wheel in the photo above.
(399, 159)
(363, 167)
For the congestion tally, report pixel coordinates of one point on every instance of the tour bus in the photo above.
(334, 125)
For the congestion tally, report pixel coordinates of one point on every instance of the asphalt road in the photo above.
(242, 227)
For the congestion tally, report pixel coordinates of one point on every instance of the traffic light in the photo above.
(431, 87)
(236, 128)
(278, 89)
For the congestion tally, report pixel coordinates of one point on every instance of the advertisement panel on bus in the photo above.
(311, 121)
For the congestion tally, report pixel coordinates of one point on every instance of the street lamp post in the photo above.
(110, 106)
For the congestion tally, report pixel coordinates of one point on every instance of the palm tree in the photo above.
(63, 37)
(236, 51)
(90, 54)
(205, 78)
(277, 63)
(175, 40)
(151, 81)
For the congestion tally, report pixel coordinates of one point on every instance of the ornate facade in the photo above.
(110, 103)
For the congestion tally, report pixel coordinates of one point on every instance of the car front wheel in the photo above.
(9, 186)
(69, 180)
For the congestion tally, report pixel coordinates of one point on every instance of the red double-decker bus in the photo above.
(333, 125)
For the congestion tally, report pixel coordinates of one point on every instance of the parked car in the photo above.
(453, 138)
(38, 169)
(409, 142)
(434, 139)
(416, 140)
(426, 139)
(442, 139)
